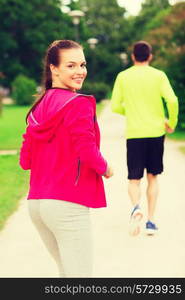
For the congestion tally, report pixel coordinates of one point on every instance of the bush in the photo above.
(99, 90)
(23, 89)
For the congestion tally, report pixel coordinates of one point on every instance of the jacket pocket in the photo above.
(78, 172)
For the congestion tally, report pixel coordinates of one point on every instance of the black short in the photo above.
(145, 153)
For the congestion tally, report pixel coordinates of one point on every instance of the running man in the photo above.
(138, 94)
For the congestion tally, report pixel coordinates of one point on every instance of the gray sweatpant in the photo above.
(65, 229)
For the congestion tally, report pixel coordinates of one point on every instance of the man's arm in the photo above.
(117, 101)
(172, 103)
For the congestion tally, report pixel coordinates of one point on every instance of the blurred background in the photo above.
(107, 30)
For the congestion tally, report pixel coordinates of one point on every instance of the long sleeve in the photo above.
(171, 101)
(117, 101)
(25, 152)
(79, 119)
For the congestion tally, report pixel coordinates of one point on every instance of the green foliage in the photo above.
(99, 90)
(112, 38)
(147, 18)
(27, 28)
(98, 67)
(157, 20)
(151, 6)
(175, 69)
(23, 90)
(168, 40)
(14, 184)
(97, 17)
(163, 26)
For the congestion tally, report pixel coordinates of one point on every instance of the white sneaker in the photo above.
(135, 221)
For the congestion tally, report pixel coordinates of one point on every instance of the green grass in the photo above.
(14, 185)
(12, 126)
(13, 180)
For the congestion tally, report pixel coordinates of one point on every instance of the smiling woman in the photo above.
(71, 73)
(61, 148)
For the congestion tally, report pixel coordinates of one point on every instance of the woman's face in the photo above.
(71, 72)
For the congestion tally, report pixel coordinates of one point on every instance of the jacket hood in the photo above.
(44, 130)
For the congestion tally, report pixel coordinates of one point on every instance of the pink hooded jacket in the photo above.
(61, 149)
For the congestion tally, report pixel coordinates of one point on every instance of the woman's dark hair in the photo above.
(142, 51)
(52, 57)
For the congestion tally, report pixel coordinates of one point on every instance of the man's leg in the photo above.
(134, 191)
(136, 215)
(152, 194)
(155, 149)
(135, 164)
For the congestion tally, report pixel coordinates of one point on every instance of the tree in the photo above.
(168, 40)
(163, 26)
(141, 23)
(23, 90)
(27, 28)
(106, 22)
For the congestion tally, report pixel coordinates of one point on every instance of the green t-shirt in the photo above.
(137, 93)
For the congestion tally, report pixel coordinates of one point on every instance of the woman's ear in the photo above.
(53, 70)
(51, 67)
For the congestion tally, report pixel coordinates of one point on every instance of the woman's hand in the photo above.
(109, 173)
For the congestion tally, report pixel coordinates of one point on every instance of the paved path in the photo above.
(22, 253)
(8, 152)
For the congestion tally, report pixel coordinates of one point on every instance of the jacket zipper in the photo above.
(78, 172)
